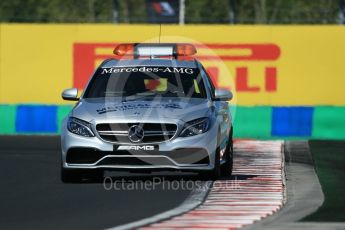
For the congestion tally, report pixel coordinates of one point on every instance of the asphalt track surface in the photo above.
(33, 197)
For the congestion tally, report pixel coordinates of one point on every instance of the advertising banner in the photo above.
(287, 80)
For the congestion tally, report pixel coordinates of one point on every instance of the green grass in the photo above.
(329, 158)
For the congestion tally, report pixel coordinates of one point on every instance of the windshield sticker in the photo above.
(145, 69)
(121, 107)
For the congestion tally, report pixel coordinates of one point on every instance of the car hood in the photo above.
(101, 109)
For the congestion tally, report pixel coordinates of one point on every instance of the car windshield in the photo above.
(146, 81)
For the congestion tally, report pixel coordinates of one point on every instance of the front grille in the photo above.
(123, 161)
(153, 132)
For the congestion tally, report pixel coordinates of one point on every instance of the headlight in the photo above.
(195, 127)
(79, 127)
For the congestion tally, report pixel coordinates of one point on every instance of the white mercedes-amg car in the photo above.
(151, 107)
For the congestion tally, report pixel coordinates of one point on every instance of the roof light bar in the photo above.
(125, 49)
(185, 49)
(154, 50)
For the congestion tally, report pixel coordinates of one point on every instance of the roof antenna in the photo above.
(160, 31)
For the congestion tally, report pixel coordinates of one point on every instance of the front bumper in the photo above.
(180, 153)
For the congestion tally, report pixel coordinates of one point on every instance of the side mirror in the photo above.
(223, 95)
(70, 94)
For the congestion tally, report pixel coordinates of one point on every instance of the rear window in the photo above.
(148, 81)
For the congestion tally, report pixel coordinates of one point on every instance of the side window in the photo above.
(208, 82)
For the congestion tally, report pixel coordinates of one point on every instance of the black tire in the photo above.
(76, 175)
(226, 168)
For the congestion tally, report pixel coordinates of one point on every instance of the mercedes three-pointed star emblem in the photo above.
(136, 133)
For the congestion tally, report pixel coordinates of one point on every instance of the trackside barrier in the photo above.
(268, 123)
